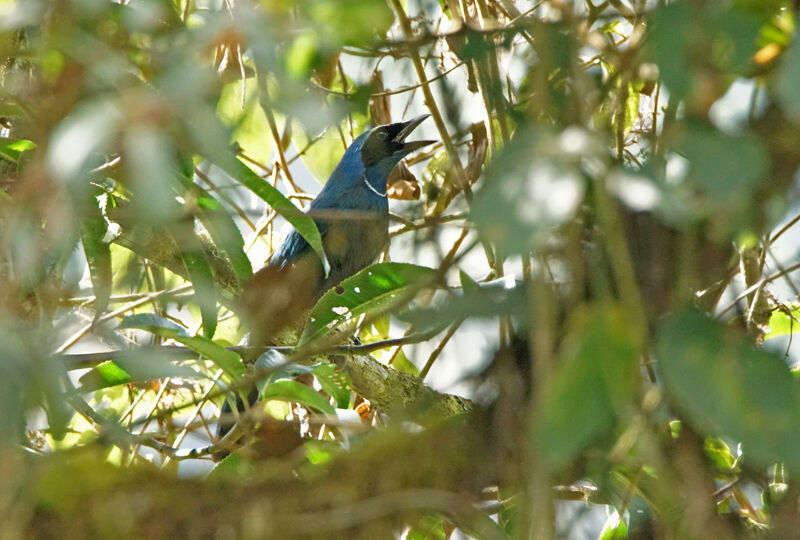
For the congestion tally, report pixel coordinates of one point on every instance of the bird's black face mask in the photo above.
(389, 141)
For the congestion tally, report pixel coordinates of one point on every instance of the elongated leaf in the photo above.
(12, 148)
(288, 390)
(373, 287)
(98, 255)
(484, 300)
(283, 206)
(727, 387)
(229, 361)
(204, 293)
(219, 224)
(152, 323)
(135, 366)
(102, 376)
(226, 235)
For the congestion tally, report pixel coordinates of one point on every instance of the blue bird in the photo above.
(352, 215)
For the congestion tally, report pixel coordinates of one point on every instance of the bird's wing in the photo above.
(294, 246)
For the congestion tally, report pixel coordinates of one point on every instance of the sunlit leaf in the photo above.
(103, 375)
(288, 390)
(614, 528)
(246, 118)
(720, 454)
(335, 383)
(133, 366)
(322, 156)
(372, 288)
(204, 293)
(11, 149)
(782, 322)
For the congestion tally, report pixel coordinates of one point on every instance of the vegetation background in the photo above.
(598, 260)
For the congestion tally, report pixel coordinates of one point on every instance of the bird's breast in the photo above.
(353, 245)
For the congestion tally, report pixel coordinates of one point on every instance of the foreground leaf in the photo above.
(592, 388)
(229, 361)
(303, 224)
(727, 387)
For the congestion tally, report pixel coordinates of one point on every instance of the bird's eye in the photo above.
(381, 135)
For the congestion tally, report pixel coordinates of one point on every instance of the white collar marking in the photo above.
(375, 191)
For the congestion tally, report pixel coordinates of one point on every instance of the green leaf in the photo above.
(133, 365)
(720, 455)
(318, 452)
(335, 383)
(671, 29)
(467, 283)
(249, 124)
(204, 293)
(223, 230)
(724, 166)
(289, 390)
(233, 466)
(614, 528)
(152, 323)
(631, 105)
(782, 323)
(727, 387)
(102, 376)
(303, 54)
(98, 256)
(229, 361)
(342, 21)
(322, 156)
(303, 224)
(11, 149)
(402, 363)
(592, 388)
(370, 289)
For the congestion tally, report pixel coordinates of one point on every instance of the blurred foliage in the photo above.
(610, 202)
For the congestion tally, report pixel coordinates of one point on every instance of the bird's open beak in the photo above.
(405, 130)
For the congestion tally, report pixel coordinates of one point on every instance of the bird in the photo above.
(351, 213)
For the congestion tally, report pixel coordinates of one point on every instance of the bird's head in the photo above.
(384, 146)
